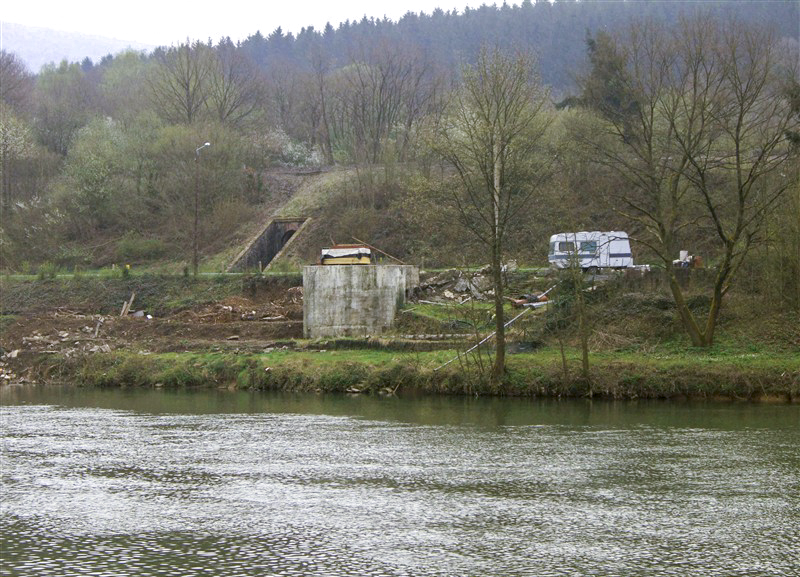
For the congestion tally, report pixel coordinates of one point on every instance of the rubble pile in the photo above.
(66, 341)
(458, 285)
(288, 307)
(6, 374)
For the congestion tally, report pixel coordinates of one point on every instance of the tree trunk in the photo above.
(325, 136)
(5, 202)
(583, 328)
(703, 337)
(498, 371)
(688, 321)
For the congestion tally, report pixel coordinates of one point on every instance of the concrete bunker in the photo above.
(262, 250)
(354, 300)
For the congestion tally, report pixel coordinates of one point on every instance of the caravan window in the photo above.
(589, 247)
(566, 247)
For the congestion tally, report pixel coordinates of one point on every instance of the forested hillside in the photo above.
(554, 31)
(106, 162)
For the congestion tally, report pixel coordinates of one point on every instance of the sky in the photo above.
(168, 22)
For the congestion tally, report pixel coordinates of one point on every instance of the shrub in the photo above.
(47, 270)
(223, 222)
(282, 150)
(71, 257)
(135, 248)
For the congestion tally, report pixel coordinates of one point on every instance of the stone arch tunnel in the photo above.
(267, 246)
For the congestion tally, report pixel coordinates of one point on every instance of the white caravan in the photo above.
(591, 250)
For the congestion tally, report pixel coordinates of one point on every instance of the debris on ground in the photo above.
(454, 284)
(63, 340)
(6, 374)
(526, 299)
(69, 333)
(288, 306)
(461, 285)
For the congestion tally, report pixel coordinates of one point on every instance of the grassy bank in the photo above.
(242, 331)
(751, 376)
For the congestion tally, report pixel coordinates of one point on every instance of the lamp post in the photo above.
(196, 203)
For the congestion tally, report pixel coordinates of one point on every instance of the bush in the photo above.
(135, 248)
(281, 149)
(223, 223)
(47, 270)
(72, 257)
(699, 303)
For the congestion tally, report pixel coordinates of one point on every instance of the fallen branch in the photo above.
(483, 340)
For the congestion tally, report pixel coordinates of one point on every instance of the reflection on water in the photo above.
(215, 483)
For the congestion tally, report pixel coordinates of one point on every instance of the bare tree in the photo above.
(320, 65)
(16, 82)
(492, 136)
(695, 123)
(235, 89)
(16, 142)
(179, 83)
(384, 84)
(285, 90)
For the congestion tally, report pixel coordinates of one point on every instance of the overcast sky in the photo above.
(167, 22)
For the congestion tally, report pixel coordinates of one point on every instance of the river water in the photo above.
(164, 483)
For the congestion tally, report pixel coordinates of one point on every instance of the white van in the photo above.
(591, 250)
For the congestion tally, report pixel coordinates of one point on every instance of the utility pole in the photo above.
(196, 204)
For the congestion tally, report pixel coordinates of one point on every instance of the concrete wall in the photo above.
(354, 300)
(266, 246)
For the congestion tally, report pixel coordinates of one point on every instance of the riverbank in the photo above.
(541, 373)
(245, 332)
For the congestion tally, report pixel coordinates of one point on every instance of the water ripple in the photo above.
(112, 492)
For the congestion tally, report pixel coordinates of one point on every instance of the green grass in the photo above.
(539, 373)
(452, 317)
(313, 199)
